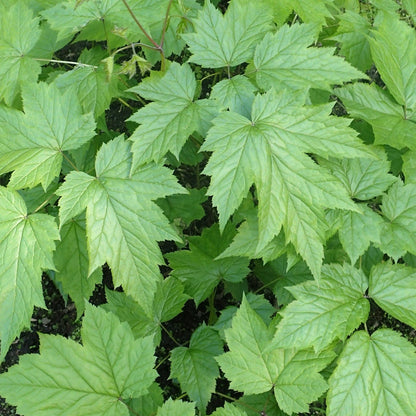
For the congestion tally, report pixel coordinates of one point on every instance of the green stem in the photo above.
(140, 26)
(69, 161)
(132, 45)
(58, 61)
(45, 202)
(165, 24)
(212, 311)
(170, 335)
(128, 407)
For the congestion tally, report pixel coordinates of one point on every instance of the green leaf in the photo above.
(51, 124)
(71, 260)
(200, 270)
(393, 287)
(393, 48)
(358, 229)
(321, 314)
(253, 367)
(375, 376)
(195, 367)
(315, 11)
(19, 33)
(229, 410)
(375, 106)
(236, 94)
(185, 207)
(166, 124)
(176, 408)
(227, 40)
(284, 60)
(123, 224)
(398, 234)
(147, 404)
(364, 179)
(353, 32)
(270, 151)
(94, 379)
(167, 303)
(26, 246)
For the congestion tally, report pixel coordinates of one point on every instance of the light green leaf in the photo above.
(353, 31)
(51, 124)
(358, 229)
(123, 224)
(375, 106)
(398, 234)
(19, 33)
(176, 408)
(166, 124)
(71, 261)
(253, 367)
(236, 94)
(326, 312)
(285, 60)
(26, 246)
(409, 166)
(393, 48)
(410, 6)
(94, 379)
(195, 367)
(315, 11)
(229, 410)
(375, 376)
(393, 287)
(227, 40)
(270, 151)
(200, 270)
(364, 179)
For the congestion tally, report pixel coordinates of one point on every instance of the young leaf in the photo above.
(195, 367)
(269, 151)
(376, 375)
(51, 124)
(166, 124)
(95, 379)
(284, 60)
(323, 313)
(398, 234)
(176, 408)
(123, 224)
(26, 246)
(71, 260)
(200, 270)
(374, 105)
(227, 40)
(19, 33)
(255, 368)
(393, 287)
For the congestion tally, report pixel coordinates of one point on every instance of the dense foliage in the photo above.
(253, 159)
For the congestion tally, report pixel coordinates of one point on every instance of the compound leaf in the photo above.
(269, 150)
(93, 379)
(393, 287)
(71, 260)
(200, 270)
(227, 40)
(323, 313)
(399, 230)
(123, 223)
(166, 124)
(51, 124)
(26, 246)
(284, 60)
(376, 375)
(19, 33)
(195, 367)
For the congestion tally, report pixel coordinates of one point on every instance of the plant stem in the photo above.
(165, 24)
(69, 161)
(140, 26)
(212, 311)
(128, 407)
(143, 45)
(45, 202)
(170, 335)
(58, 61)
